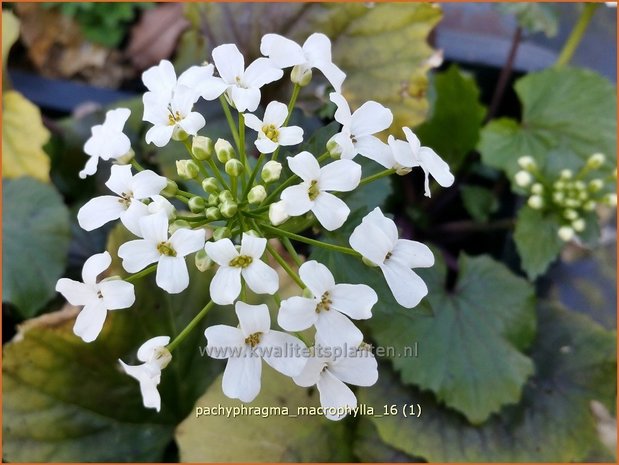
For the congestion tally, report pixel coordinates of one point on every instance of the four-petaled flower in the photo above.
(243, 85)
(169, 253)
(358, 129)
(311, 194)
(226, 284)
(107, 140)
(97, 298)
(329, 307)
(376, 238)
(246, 346)
(271, 133)
(315, 53)
(410, 154)
(328, 372)
(127, 204)
(155, 357)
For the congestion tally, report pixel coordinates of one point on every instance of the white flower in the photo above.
(243, 85)
(376, 238)
(127, 204)
(277, 213)
(226, 284)
(315, 53)
(172, 274)
(356, 366)
(245, 347)
(171, 114)
(271, 134)
(97, 298)
(412, 154)
(329, 307)
(155, 357)
(107, 140)
(161, 204)
(356, 136)
(338, 176)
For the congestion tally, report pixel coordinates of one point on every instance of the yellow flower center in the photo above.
(325, 303)
(313, 190)
(271, 132)
(165, 248)
(253, 339)
(242, 261)
(174, 117)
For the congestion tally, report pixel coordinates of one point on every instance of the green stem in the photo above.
(252, 176)
(201, 167)
(136, 165)
(376, 176)
(279, 259)
(191, 218)
(217, 174)
(226, 108)
(242, 153)
(192, 324)
(572, 42)
(293, 100)
(185, 194)
(181, 198)
(141, 274)
(291, 250)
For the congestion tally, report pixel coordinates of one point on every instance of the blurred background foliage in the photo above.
(506, 372)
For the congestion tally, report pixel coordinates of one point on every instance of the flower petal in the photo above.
(265, 145)
(154, 228)
(401, 153)
(253, 246)
(354, 300)
(117, 294)
(90, 168)
(291, 135)
(333, 74)
(316, 277)
(261, 278)
(305, 166)
(374, 237)
(94, 266)
(159, 135)
(98, 211)
(335, 329)
(160, 79)
(360, 370)
(148, 384)
(371, 147)
(75, 292)
(221, 251)
(436, 166)
(116, 119)
(283, 352)
(330, 211)
(297, 313)
(412, 254)
(225, 286)
(370, 118)
(283, 52)
(253, 318)
(406, 286)
(131, 217)
(222, 341)
(340, 176)
(296, 200)
(229, 62)
(89, 322)
(260, 72)
(342, 114)
(335, 396)
(147, 184)
(185, 241)
(121, 180)
(241, 378)
(245, 99)
(275, 113)
(311, 372)
(138, 254)
(345, 144)
(172, 274)
(253, 122)
(317, 47)
(146, 350)
(192, 123)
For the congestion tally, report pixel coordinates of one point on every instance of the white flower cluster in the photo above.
(245, 205)
(571, 196)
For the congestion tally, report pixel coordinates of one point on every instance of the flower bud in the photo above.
(224, 150)
(234, 167)
(126, 158)
(589, 206)
(566, 174)
(566, 233)
(226, 196)
(212, 213)
(570, 214)
(213, 200)
(559, 185)
(558, 197)
(523, 178)
(170, 189)
(228, 209)
(301, 75)
(187, 169)
(178, 224)
(579, 225)
(579, 185)
(334, 149)
(202, 261)
(610, 200)
(527, 163)
(277, 213)
(256, 195)
(252, 232)
(535, 202)
(210, 185)
(196, 204)
(595, 185)
(537, 188)
(221, 233)
(179, 134)
(271, 171)
(202, 147)
(595, 161)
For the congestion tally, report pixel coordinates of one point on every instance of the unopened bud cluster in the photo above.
(571, 195)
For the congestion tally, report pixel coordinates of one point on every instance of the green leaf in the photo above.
(575, 363)
(456, 106)
(369, 447)
(567, 115)
(23, 136)
(272, 436)
(470, 349)
(536, 240)
(68, 401)
(533, 17)
(479, 202)
(35, 225)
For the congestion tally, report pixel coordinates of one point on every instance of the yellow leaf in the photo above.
(23, 137)
(10, 33)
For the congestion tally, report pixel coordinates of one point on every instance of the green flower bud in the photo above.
(213, 200)
(234, 167)
(224, 150)
(202, 147)
(596, 185)
(277, 213)
(301, 75)
(212, 213)
(566, 174)
(271, 171)
(334, 149)
(210, 185)
(179, 134)
(537, 188)
(178, 224)
(221, 233)
(170, 189)
(527, 163)
(535, 202)
(559, 185)
(558, 197)
(523, 178)
(256, 195)
(228, 209)
(252, 232)
(595, 161)
(570, 214)
(579, 185)
(573, 203)
(187, 169)
(196, 204)
(226, 196)
(202, 261)
(589, 206)
(579, 225)
(566, 233)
